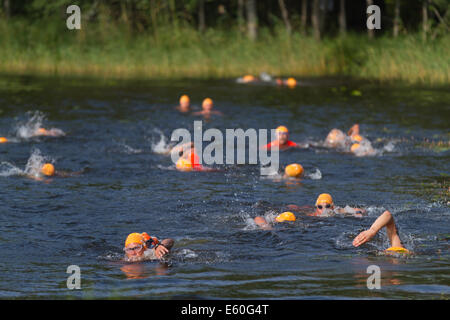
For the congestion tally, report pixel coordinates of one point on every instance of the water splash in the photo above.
(250, 222)
(316, 175)
(32, 126)
(162, 146)
(35, 163)
(32, 168)
(128, 149)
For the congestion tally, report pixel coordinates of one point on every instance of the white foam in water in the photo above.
(7, 169)
(317, 175)
(188, 254)
(389, 147)
(264, 76)
(35, 163)
(162, 146)
(130, 150)
(28, 129)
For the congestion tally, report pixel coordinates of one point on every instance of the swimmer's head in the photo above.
(285, 216)
(324, 202)
(294, 170)
(355, 147)
(207, 104)
(48, 169)
(3, 140)
(335, 138)
(282, 134)
(184, 165)
(248, 78)
(184, 102)
(291, 82)
(135, 245)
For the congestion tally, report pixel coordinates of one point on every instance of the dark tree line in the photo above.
(317, 17)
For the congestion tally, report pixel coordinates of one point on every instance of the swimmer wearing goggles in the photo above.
(282, 141)
(141, 247)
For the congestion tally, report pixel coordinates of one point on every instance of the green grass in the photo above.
(111, 51)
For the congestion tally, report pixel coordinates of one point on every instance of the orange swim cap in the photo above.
(248, 78)
(207, 101)
(184, 165)
(398, 250)
(357, 137)
(135, 238)
(3, 140)
(285, 216)
(48, 169)
(294, 170)
(282, 129)
(42, 130)
(354, 147)
(184, 98)
(291, 82)
(324, 197)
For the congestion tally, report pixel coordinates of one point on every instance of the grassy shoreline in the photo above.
(109, 51)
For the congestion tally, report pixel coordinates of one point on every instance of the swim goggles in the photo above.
(328, 206)
(136, 248)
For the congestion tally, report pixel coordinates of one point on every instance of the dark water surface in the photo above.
(111, 128)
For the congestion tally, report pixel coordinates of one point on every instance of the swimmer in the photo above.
(290, 82)
(385, 220)
(247, 79)
(184, 105)
(141, 247)
(338, 139)
(282, 217)
(207, 109)
(48, 170)
(53, 132)
(283, 141)
(353, 142)
(3, 140)
(190, 161)
(325, 207)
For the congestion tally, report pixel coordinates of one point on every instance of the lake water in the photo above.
(112, 132)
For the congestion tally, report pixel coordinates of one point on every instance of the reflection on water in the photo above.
(121, 133)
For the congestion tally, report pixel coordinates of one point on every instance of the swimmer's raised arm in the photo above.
(353, 130)
(163, 248)
(385, 220)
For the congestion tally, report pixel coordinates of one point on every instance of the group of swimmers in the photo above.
(139, 247)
